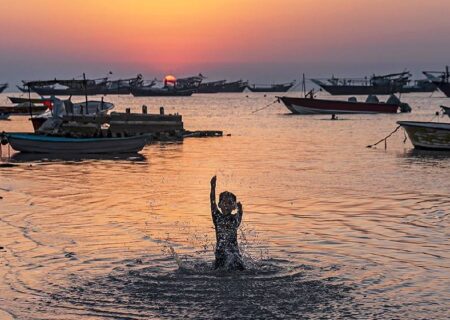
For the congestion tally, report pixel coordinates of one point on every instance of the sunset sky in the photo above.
(259, 40)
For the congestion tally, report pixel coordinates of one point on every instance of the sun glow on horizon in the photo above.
(184, 36)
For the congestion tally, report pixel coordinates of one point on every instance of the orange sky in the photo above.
(186, 36)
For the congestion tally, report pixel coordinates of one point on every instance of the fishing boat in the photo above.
(281, 87)
(59, 108)
(172, 87)
(121, 86)
(23, 109)
(382, 84)
(61, 87)
(19, 100)
(3, 86)
(36, 143)
(441, 79)
(310, 105)
(235, 86)
(211, 87)
(428, 135)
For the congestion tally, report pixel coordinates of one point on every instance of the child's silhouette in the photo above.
(226, 225)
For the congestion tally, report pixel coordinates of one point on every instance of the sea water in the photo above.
(331, 229)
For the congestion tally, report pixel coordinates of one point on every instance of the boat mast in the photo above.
(304, 85)
(85, 91)
(29, 101)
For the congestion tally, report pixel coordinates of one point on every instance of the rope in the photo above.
(384, 139)
(276, 100)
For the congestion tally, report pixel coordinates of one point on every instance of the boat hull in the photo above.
(428, 135)
(308, 106)
(23, 110)
(279, 88)
(33, 143)
(155, 92)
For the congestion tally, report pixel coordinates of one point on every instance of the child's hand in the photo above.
(213, 181)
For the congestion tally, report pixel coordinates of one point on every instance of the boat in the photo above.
(19, 100)
(38, 143)
(23, 109)
(441, 79)
(383, 84)
(63, 87)
(428, 135)
(121, 86)
(310, 105)
(211, 87)
(3, 86)
(4, 116)
(235, 86)
(161, 92)
(282, 87)
(172, 87)
(59, 108)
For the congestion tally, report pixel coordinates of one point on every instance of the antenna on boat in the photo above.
(304, 85)
(85, 91)
(29, 101)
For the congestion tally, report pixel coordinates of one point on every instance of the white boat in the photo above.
(428, 135)
(35, 143)
(61, 108)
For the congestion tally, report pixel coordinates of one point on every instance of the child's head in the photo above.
(227, 202)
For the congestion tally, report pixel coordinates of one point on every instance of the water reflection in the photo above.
(20, 157)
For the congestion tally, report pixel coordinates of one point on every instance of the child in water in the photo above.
(226, 224)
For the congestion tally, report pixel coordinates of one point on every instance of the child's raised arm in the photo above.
(213, 194)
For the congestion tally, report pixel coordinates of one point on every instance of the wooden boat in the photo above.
(235, 86)
(63, 87)
(23, 109)
(35, 143)
(172, 87)
(3, 86)
(67, 107)
(281, 87)
(161, 92)
(428, 135)
(211, 87)
(441, 79)
(310, 105)
(382, 84)
(25, 100)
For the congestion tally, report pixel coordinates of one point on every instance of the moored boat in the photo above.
(23, 109)
(428, 135)
(441, 79)
(36, 143)
(235, 86)
(172, 87)
(59, 108)
(308, 106)
(383, 84)
(62, 87)
(281, 87)
(211, 87)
